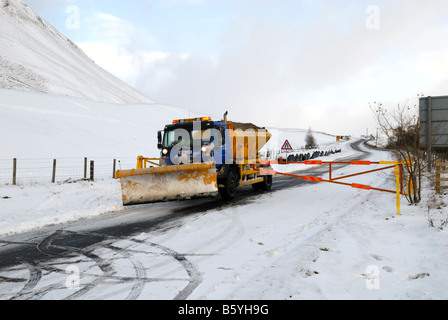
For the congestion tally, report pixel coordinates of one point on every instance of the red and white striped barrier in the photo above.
(314, 162)
(268, 162)
(267, 172)
(360, 163)
(314, 179)
(361, 186)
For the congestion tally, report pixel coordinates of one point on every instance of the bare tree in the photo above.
(401, 125)
(310, 141)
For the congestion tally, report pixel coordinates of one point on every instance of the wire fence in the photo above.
(21, 171)
(37, 171)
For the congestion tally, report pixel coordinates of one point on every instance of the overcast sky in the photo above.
(281, 63)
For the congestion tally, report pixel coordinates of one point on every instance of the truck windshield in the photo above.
(187, 138)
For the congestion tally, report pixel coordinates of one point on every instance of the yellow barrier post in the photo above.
(411, 185)
(397, 179)
(140, 162)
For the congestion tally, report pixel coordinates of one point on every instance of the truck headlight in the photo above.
(204, 148)
(165, 151)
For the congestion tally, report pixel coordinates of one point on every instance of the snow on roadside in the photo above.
(26, 208)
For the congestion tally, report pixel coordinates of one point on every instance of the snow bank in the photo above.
(30, 207)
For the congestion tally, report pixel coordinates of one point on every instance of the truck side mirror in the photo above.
(159, 140)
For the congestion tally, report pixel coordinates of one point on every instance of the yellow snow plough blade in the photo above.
(168, 183)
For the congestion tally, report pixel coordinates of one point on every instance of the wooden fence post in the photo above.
(53, 177)
(114, 168)
(14, 172)
(92, 170)
(85, 168)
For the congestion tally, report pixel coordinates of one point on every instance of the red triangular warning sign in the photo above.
(286, 146)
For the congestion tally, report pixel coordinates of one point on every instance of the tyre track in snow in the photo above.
(28, 289)
(35, 275)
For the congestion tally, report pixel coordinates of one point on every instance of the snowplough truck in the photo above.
(199, 158)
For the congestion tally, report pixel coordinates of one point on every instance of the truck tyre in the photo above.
(266, 185)
(231, 182)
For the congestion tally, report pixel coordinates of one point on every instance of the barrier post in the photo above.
(411, 178)
(140, 162)
(92, 170)
(85, 168)
(397, 179)
(14, 172)
(53, 176)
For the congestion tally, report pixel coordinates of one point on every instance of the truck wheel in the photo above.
(228, 192)
(266, 185)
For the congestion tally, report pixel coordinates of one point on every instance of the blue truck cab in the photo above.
(192, 141)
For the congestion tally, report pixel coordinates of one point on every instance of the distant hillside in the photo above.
(35, 57)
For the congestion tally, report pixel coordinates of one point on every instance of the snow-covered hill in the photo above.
(36, 57)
